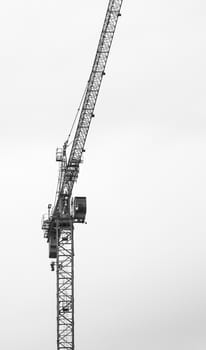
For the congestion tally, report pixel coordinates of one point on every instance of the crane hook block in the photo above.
(59, 154)
(79, 209)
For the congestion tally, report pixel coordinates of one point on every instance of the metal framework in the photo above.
(65, 286)
(58, 226)
(69, 172)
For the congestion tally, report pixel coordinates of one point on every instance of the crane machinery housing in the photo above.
(58, 223)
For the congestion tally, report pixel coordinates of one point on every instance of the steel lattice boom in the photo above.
(70, 174)
(58, 225)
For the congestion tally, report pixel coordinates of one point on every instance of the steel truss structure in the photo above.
(58, 226)
(65, 285)
(69, 172)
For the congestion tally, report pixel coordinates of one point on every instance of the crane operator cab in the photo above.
(79, 208)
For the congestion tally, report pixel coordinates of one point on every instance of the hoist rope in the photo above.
(76, 116)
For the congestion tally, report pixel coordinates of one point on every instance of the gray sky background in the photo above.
(140, 261)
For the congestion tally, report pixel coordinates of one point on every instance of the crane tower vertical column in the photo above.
(65, 285)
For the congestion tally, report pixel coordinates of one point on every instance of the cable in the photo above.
(77, 113)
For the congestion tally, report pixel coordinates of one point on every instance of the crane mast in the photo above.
(58, 224)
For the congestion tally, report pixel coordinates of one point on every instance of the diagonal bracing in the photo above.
(65, 286)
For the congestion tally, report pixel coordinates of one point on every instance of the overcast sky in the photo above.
(140, 262)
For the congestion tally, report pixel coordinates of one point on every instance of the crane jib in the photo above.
(69, 170)
(95, 79)
(68, 176)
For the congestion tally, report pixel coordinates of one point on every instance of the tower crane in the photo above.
(58, 224)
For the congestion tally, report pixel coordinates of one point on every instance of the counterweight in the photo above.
(58, 226)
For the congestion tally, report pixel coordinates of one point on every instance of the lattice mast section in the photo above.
(65, 287)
